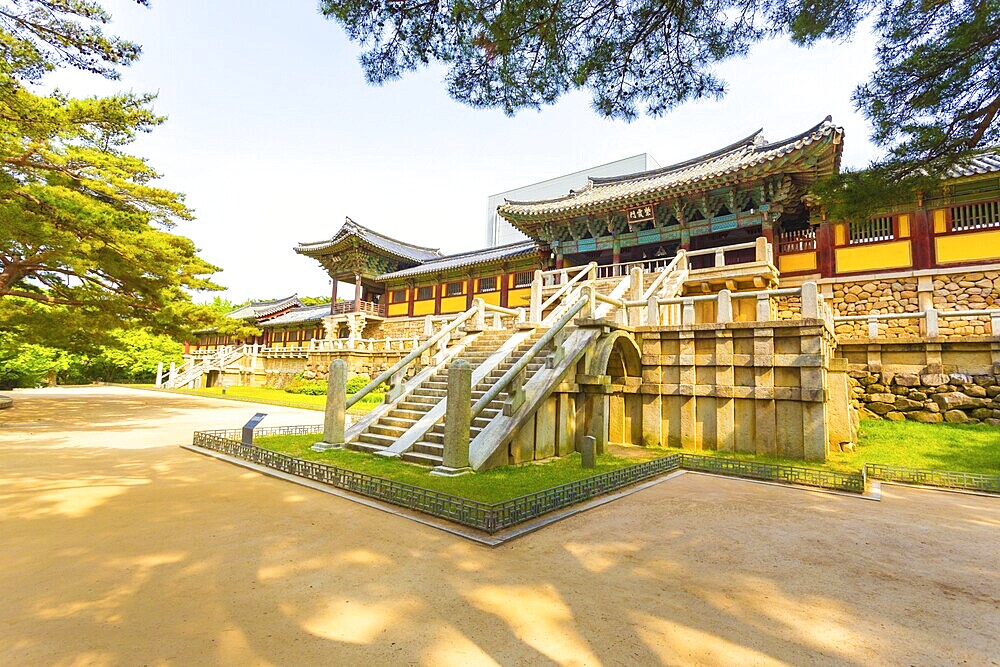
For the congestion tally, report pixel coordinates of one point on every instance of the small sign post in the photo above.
(250, 426)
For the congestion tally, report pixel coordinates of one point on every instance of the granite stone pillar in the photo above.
(336, 408)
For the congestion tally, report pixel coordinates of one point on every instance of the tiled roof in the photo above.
(744, 154)
(257, 309)
(466, 259)
(986, 162)
(303, 314)
(390, 245)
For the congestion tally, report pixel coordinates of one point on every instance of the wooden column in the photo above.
(824, 249)
(922, 237)
(470, 292)
(438, 290)
(412, 291)
(357, 292)
(333, 294)
(504, 279)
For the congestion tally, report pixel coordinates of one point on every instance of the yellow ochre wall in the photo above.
(875, 257)
(800, 261)
(970, 247)
(399, 309)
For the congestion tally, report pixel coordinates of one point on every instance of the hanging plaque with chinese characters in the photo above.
(639, 214)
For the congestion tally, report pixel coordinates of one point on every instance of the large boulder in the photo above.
(934, 379)
(881, 408)
(908, 380)
(925, 417)
(881, 398)
(955, 416)
(953, 400)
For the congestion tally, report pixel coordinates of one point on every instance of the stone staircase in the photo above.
(429, 450)
(390, 427)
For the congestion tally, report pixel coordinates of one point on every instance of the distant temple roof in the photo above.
(749, 157)
(465, 259)
(352, 230)
(256, 310)
(986, 162)
(302, 314)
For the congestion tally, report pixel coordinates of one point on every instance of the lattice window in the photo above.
(425, 293)
(984, 215)
(454, 289)
(523, 278)
(799, 240)
(398, 295)
(871, 231)
(488, 284)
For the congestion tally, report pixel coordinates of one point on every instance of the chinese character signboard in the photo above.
(639, 214)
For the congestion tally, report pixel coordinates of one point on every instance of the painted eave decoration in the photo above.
(467, 259)
(816, 151)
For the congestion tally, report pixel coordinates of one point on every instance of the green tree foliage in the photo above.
(29, 364)
(84, 230)
(134, 356)
(933, 98)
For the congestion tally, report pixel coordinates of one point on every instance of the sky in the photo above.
(274, 136)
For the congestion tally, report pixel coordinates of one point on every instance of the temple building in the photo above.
(707, 304)
(751, 188)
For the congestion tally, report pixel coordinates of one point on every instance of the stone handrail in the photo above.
(394, 373)
(930, 317)
(362, 344)
(527, 357)
(585, 271)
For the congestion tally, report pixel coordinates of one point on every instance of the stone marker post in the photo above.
(457, 421)
(589, 451)
(336, 408)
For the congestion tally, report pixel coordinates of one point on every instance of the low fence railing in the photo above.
(498, 516)
(949, 479)
(363, 344)
(928, 319)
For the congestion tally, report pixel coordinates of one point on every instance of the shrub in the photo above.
(357, 383)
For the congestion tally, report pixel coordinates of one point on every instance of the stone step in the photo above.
(429, 393)
(381, 441)
(421, 458)
(404, 413)
(364, 447)
(400, 422)
(394, 432)
(422, 400)
(424, 447)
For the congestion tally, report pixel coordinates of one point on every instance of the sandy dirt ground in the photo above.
(119, 548)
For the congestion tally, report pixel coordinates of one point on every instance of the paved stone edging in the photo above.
(6, 402)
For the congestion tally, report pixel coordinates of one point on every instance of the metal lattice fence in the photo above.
(825, 479)
(498, 516)
(948, 479)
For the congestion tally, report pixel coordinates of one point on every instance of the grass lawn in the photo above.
(489, 487)
(960, 447)
(280, 397)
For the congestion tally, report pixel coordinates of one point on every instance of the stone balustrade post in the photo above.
(724, 310)
(762, 250)
(687, 313)
(873, 326)
(457, 421)
(336, 407)
(810, 301)
(479, 319)
(635, 283)
(428, 326)
(171, 376)
(720, 257)
(589, 311)
(515, 394)
(535, 316)
(652, 312)
(931, 324)
(763, 307)
(159, 375)
(995, 323)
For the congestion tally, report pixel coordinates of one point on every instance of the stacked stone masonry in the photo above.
(976, 290)
(930, 397)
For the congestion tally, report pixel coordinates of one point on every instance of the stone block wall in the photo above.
(764, 388)
(930, 397)
(872, 295)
